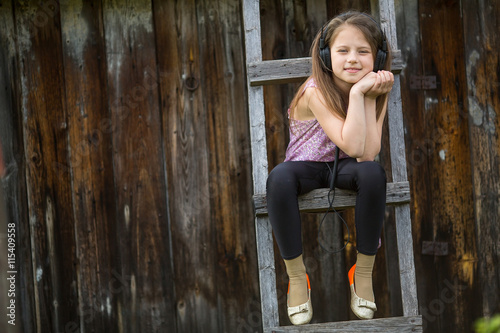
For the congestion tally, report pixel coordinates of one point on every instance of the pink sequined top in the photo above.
(308, 140)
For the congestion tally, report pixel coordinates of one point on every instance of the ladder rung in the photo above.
(386, 325)
(279, 71)
(294, 70)
(317, 200)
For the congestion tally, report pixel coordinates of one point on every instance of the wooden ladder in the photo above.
(398, 193)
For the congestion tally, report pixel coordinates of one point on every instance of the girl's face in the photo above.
(352, 57)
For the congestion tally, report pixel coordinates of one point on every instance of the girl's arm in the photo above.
(373, 139)
(348, 134)
(383, 85)
(357, 132)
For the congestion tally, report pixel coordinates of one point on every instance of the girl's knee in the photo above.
(372, 172)
(280, 177)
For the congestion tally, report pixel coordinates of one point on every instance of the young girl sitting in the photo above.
(342, 104)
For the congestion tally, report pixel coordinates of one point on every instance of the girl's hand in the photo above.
(383, 84)
(365, 84)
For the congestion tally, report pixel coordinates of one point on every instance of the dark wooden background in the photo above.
(124, 130)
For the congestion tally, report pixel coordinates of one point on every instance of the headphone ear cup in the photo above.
(380, 61)
(326, 58)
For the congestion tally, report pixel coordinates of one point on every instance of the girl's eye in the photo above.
(342, 51)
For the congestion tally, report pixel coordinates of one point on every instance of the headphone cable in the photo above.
(330, 206)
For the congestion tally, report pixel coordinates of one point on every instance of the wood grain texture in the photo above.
(449, 217)
(337, 7)
(91, 166)
(483, 104)
(418, 167)
(408, 38)
(44, 117)
(229, 160)
(398, 170)
(257, 120)
(274, 46)
(13, 187)
(279, 71)
(274, 20)
(186, 152)
(140, 183)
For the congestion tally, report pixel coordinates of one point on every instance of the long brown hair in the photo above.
(336, 101)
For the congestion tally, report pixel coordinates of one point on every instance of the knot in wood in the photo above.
(191, 83)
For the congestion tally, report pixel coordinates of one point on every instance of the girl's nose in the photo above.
(352, 57)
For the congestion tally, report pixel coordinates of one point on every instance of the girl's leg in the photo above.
(369, 181)
(285, 183)
(296, 271)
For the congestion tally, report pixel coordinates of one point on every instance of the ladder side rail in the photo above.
(398, 163)
(264, 238)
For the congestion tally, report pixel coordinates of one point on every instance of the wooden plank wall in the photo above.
(91, 163)
(452, 153)
(447, 214)
(124, 129)
(483, 102)
(132, 220)
(14, 185)
(44, 122)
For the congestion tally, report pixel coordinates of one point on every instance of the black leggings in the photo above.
(290, 179)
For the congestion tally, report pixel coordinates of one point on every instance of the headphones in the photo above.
(326, 58)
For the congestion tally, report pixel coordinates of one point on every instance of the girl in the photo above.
(342, 104)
